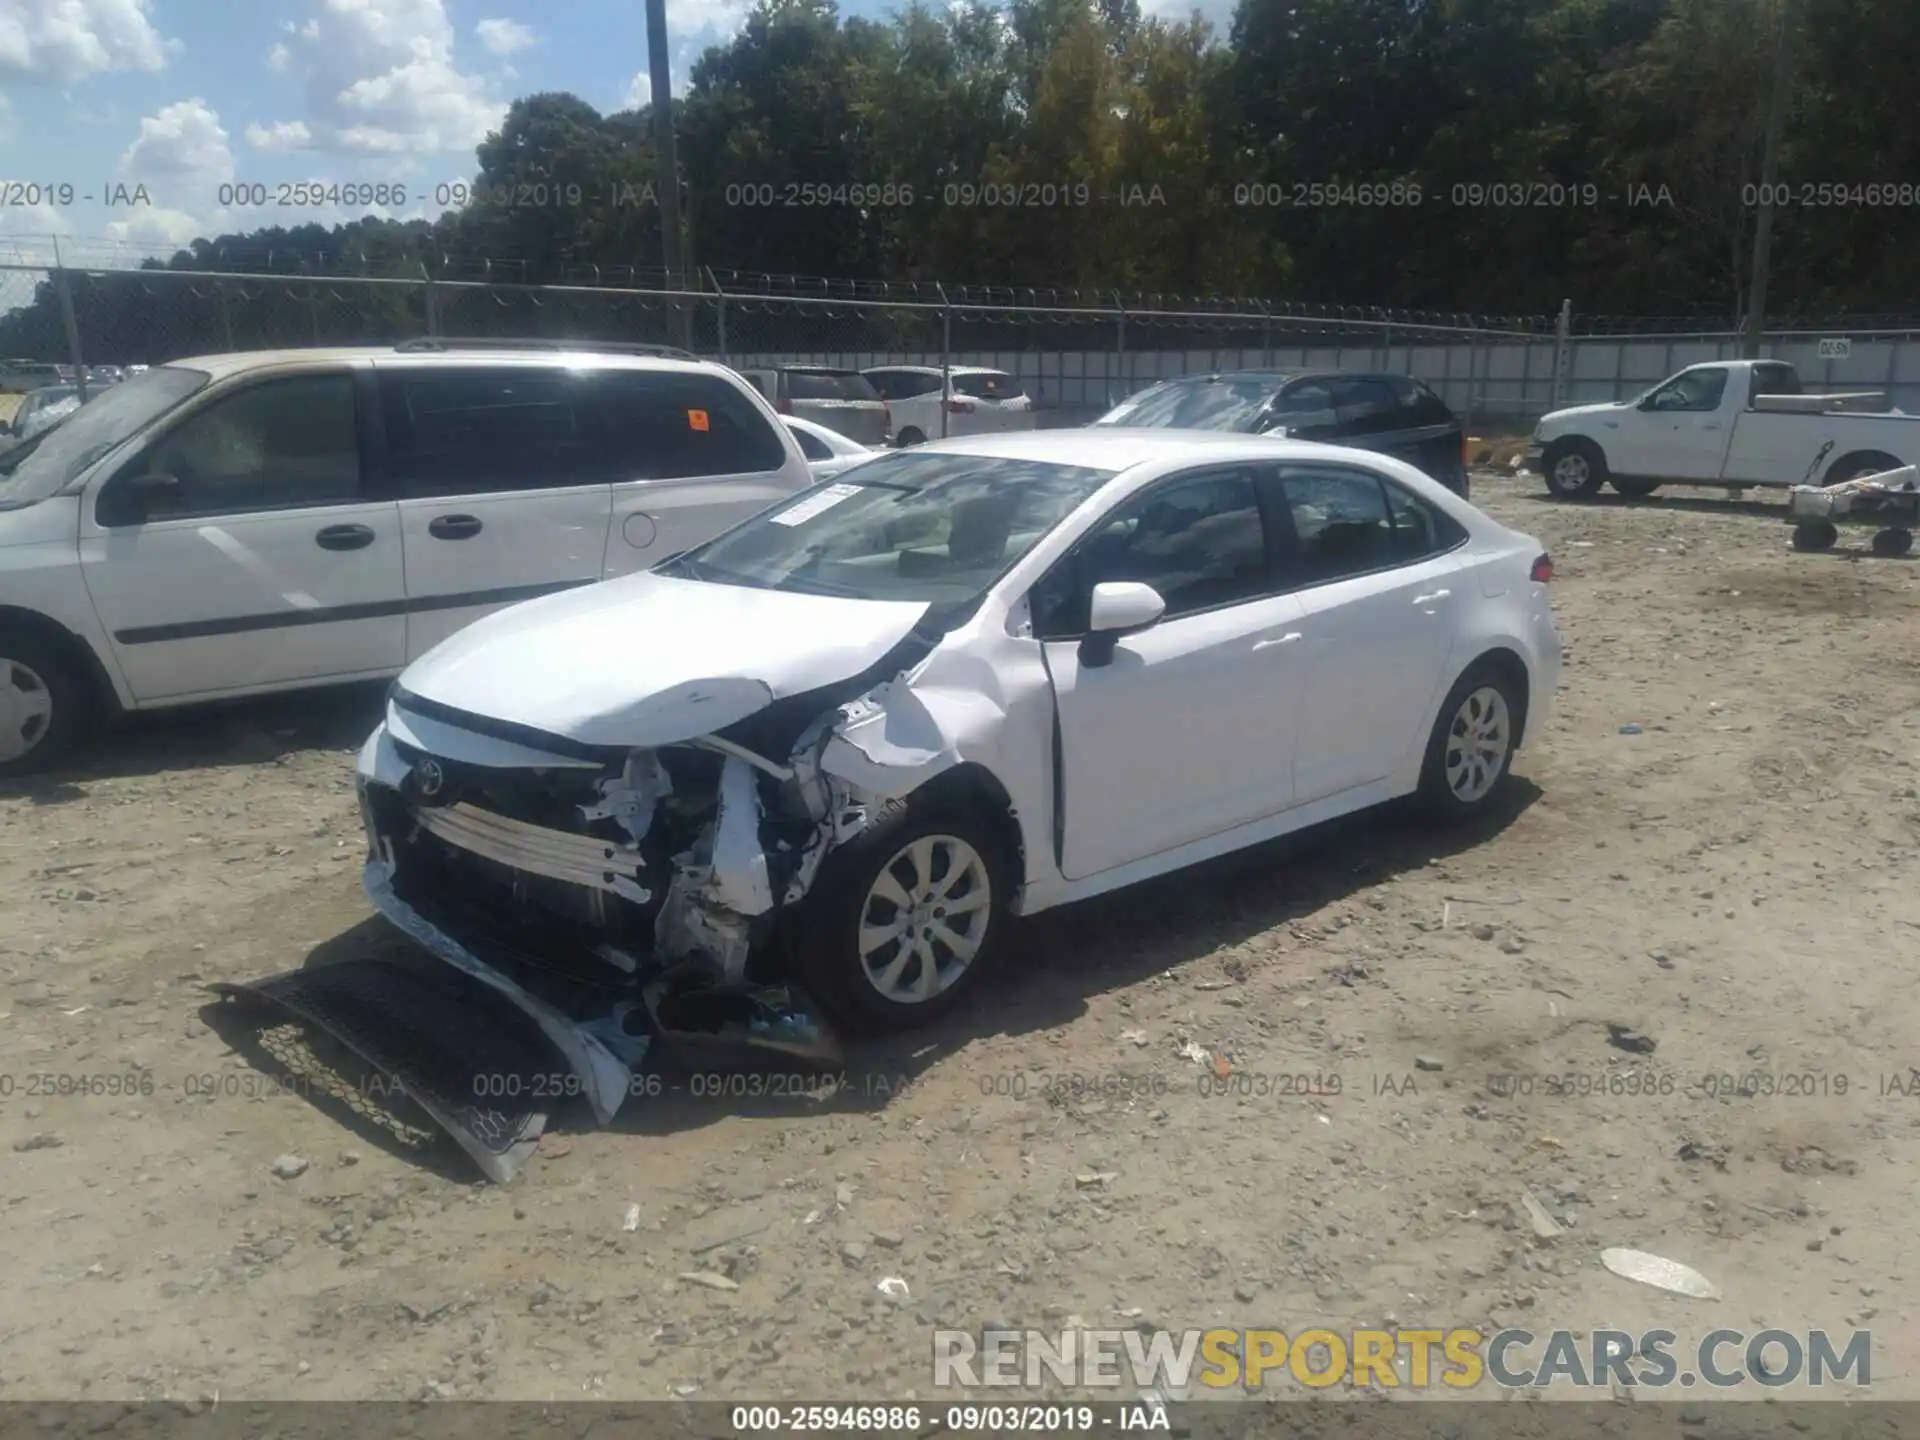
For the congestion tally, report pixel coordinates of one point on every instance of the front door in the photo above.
(1188, 731)
(265, 564)
(1380, 593)
(501, 494)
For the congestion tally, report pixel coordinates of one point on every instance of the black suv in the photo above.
(1394, 414)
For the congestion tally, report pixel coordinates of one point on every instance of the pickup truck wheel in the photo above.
(1852, 467)
(45, 703)
(905, 919)
(1575, 468)
(1634, 486)
(1815, 535)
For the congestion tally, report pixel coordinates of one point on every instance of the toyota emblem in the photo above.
(432, 777)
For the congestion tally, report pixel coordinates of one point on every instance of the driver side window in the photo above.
(1200, 542)
(1693, 390)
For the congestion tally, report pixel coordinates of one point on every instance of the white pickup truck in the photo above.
(1732, 423)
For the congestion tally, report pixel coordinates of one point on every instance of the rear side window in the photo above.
(829, 385)
(1305, 405)
(902, 384)
(988, 385)
(278, 445)
(469, 431)
(1419, 529)
(1365, 406)
(665, 425)
(1775, 380)
(1419, 406)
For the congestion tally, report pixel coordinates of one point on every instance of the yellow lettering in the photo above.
(1222, 1364)
(1373, 1358)
(1301, 1361)
(1265, 1350)
(1421, 1343)
(1463, 1349)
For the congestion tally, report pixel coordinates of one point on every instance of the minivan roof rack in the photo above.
(426, 344)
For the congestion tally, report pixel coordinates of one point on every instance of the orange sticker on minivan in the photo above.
(697, 419)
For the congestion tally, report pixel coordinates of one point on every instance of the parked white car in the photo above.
(42, 409)
(240, 524)
(844, 744)
(977, 401)
(1732, 423)
(828, 452)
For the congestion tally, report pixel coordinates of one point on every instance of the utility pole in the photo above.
(1769, 170)
(660, 72)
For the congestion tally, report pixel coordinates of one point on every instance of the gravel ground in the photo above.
(1731, 880)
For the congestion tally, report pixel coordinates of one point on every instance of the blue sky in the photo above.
(186, 96)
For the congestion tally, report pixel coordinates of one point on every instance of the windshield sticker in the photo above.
(697, 420)
(815, 505)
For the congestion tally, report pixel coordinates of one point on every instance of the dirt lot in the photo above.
(1732, 879)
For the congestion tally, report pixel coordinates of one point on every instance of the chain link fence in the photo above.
(1076, 354)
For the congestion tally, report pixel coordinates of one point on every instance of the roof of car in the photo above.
(935, 369)
(1120, 447)
(232, 363)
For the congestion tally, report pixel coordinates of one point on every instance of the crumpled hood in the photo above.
(648, 660)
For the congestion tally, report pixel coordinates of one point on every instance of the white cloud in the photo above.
(281, 135)
(697, 25)
(156, 230)
(503, 37)
(183, 142)
(63, 41)
(379, 79)
(278, 58)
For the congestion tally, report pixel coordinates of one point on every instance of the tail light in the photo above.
(959, 405)
(1542, 570)
(1465, 448)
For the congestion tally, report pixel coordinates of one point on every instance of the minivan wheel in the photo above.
(1575, 468)
(909, 436)
(1470, 752)
(44, 703)
(905, 919)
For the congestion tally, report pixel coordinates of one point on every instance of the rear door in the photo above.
(1425, 433)
(1366, 412)
(273, 564)
(842, 400)
(501, 497)
(1380, 593)
(996, 401)
(687, 455)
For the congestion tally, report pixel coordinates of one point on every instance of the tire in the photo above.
(1815, 535)
(909, 437)
(1892, 542)
(46, 704)
(1575, 468)
(849, 896)
(1852, 467)
(1634, 486)
(1458, 777)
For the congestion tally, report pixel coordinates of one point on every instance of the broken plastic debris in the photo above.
(1134, 1037)
(1190, 1051)
(1660, 1272)
(1093, 1178)
(1544, 1225)
(894, 1288)
(709, 1279)
(632, 1220)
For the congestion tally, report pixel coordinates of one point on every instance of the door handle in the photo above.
(454, 527)
(344, 537)
(1431, 596)
(1714, 426)
(1271, 641)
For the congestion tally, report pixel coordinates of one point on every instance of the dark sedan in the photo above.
(1394, 414)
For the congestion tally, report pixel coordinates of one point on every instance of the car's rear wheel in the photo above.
(909, 436)
(906, 918)
(44, 703)
(1575, 468)
(1470, 751)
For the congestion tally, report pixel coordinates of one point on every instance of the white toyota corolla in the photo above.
(838, 748)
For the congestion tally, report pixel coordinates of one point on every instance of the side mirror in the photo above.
(1117, 608)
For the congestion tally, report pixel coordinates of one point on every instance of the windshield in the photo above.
(41, 466)
(1217, 403)
(938, 528)
(830, 385)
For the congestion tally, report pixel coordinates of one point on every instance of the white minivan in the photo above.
(976, 401)
(241, 524)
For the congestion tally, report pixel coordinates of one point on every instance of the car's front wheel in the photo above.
(1470, 751)
(905, 919)
(44, 706)
(1575, 468)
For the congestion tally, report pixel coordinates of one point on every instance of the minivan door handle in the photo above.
(344, 537)
(454, 527)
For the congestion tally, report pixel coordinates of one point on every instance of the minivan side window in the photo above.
(1366, 406)
(671, 425)
(481, 429)
(277, 445)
